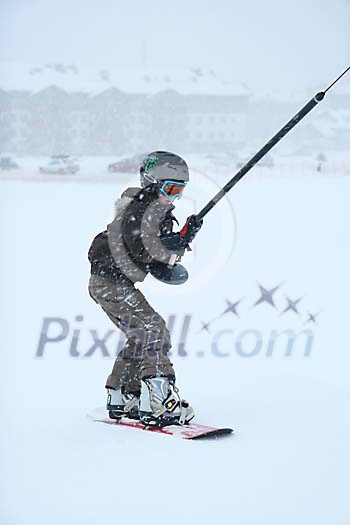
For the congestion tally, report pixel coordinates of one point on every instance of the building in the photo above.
(134, 112)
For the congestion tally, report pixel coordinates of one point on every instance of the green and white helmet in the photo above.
(163, 165)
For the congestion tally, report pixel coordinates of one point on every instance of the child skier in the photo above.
(140, 238)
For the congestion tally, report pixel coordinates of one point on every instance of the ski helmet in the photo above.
(163, 165)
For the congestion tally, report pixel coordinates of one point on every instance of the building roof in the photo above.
(72, 78)
(330, 121)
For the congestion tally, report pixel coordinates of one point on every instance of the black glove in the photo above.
(174, 243)
(190, 228)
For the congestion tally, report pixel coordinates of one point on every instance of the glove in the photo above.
(174, 243)
(190, 228)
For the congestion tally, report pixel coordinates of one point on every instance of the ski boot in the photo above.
(161, 405)
(121, 404)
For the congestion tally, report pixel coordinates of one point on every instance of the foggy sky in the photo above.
(267, 44)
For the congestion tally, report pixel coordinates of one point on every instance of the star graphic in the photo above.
(312, 317)
(292, 305)
(205, 327)
(231, 307)
(266, 295)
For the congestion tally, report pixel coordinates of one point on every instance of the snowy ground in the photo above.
(285, 162)
(288, 461)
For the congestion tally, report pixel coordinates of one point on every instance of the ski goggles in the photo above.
(172, 189)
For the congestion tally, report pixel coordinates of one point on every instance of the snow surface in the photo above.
(288, 461)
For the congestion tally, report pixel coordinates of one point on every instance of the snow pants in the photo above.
(147, 337)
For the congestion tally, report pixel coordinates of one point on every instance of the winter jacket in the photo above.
(140, 235)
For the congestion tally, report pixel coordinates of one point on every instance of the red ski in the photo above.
(191, 431)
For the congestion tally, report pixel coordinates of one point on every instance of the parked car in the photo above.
(60, 165)
(220, 158)
(266, 162)
(130, 164)
(6, 163)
